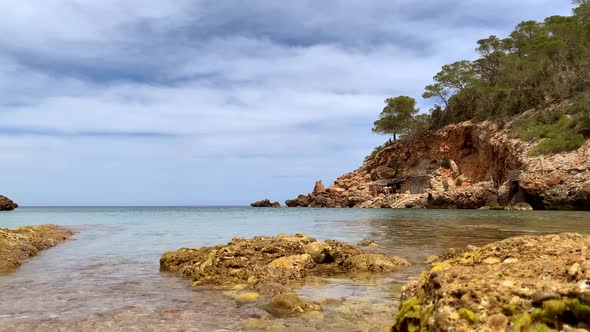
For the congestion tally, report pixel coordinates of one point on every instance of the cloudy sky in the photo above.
(200, 102)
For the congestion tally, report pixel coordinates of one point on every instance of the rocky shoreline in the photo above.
(19, 244)
(526, 283)
(464, 166)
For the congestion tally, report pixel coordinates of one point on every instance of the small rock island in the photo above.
(6, 204)
(266, 203)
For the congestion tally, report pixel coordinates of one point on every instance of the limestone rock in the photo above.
(18, 244)
(510, 285)
(247, 297)
(319, 251)
(285, 305)
(272, 265)
(383, 172)
(374, 263)
(318, 187)
(296, 262)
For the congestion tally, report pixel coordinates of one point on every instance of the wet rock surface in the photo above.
(527, 283)
(273, 267)
(6, 204)
(285, 260)
(18, 244)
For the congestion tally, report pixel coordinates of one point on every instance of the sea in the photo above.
(108, 279)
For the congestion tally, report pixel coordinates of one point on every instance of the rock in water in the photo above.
(285, 305)
(374, 263)
(6, 204)
(527, 283)
(281, 260)
(266, 203)
(18, 244)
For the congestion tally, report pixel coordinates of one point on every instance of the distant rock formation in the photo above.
(266, 203)
(6, 204)
(464, 166)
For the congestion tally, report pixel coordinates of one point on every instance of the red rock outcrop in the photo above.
(466, 165)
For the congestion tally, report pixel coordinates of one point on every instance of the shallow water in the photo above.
(108, 279)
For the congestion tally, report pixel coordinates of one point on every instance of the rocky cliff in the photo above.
(466, 165)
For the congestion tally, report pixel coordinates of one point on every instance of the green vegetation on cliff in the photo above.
(540, 65)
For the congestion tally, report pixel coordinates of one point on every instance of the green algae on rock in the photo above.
(18, 244)
(527, 283)
(285, 260)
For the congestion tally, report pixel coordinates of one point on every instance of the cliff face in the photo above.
(6, 204)
(467, 165)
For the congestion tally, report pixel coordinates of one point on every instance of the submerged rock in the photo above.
(369, 243)
(247, 297)
(281, 260)
(285, 305)
(374, 263)
(527, 283)
(6, 204)
(18, 244)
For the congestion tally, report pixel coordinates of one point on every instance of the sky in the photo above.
(215, 102)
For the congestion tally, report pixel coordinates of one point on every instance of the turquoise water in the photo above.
(108, 277)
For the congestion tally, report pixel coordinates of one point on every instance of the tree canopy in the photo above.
(538, 65)
(396, 117)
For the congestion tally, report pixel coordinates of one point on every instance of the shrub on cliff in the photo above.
(555, 130)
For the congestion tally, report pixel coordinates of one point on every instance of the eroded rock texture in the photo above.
(466, 165)
(281, 260)
(527, 283)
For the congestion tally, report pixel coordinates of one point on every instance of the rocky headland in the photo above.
(467, 166)
(19, 244)
(527, 283)
(268, 269)
(6, 204)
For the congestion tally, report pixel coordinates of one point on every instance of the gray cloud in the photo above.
(214, 102)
